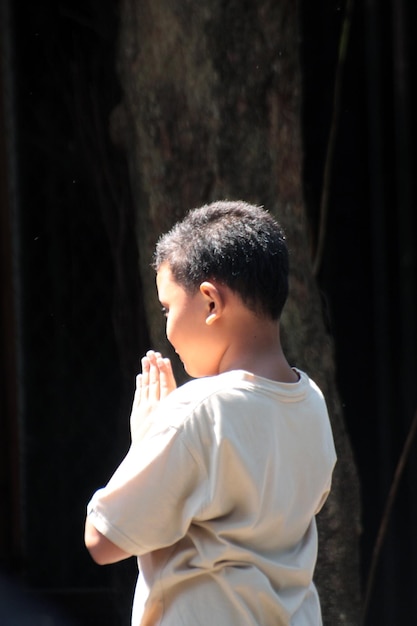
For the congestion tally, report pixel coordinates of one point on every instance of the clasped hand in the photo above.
(154, 383)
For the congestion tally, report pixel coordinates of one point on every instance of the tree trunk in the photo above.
(211, 111)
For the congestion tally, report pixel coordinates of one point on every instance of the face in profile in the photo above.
(186, 325)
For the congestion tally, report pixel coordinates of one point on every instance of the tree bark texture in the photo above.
(211, 110)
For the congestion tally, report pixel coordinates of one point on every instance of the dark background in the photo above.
(73, 328)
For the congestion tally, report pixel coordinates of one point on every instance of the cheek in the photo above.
(170, 329)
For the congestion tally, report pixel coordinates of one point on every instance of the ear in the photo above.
(214, 301)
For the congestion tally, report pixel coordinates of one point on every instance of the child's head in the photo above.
(234, 243)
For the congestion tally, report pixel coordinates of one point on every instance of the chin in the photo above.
(192, 373)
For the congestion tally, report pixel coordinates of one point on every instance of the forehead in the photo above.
(166, 284)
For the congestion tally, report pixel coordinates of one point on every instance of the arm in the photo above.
(101, 549)
(155, 382)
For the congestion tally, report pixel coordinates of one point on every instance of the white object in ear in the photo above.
(210, 319)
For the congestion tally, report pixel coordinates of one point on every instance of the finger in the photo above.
(153, 393)
(153, 375)
(153, 355)
(167, 379)
(145, 377)
(138, 390)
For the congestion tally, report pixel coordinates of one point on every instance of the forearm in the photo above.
(102, 550)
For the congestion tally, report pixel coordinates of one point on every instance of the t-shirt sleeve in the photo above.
(152, 497)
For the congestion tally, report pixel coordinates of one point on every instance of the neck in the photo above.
(258, 350)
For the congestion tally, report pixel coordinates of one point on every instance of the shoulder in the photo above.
(194, 395)
(198, 401)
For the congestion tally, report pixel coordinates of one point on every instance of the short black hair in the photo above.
(234, 243)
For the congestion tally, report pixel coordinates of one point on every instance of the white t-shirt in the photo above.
(217, 500)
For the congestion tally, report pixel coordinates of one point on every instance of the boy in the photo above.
(218, 493)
